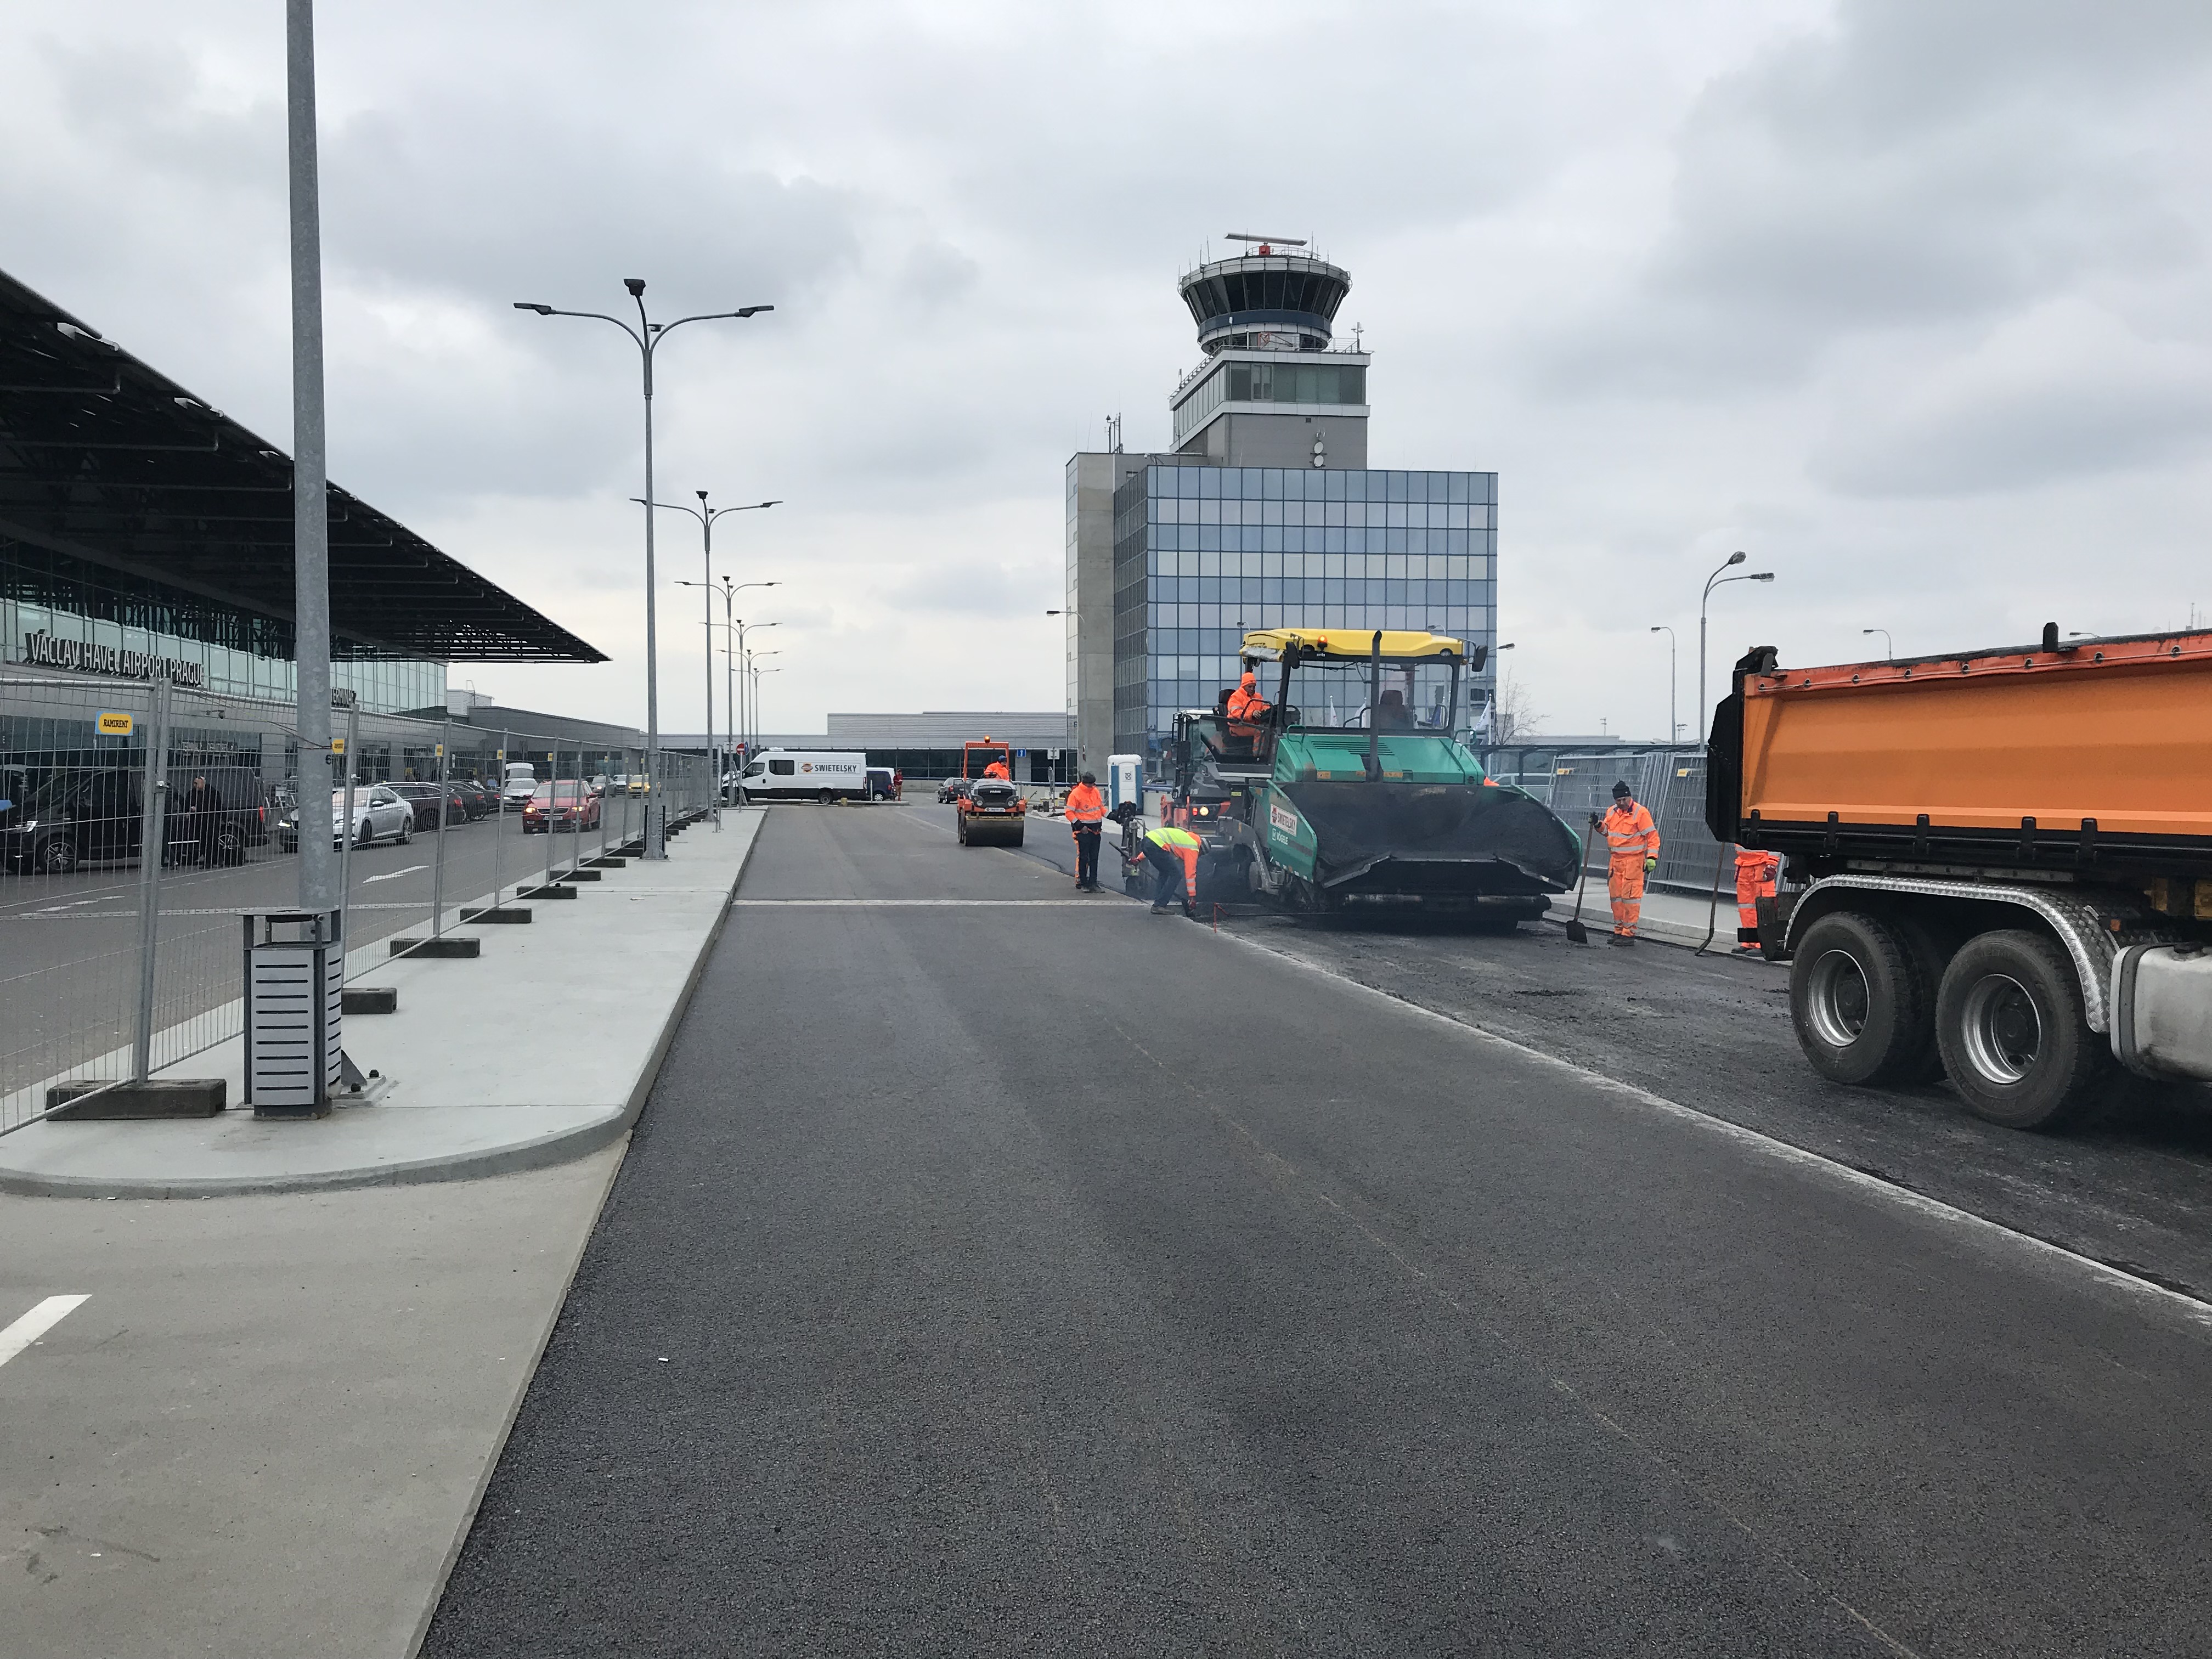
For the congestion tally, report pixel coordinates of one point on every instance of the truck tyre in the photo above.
(827, 798)
(1859, 1001)
(2016, 1042)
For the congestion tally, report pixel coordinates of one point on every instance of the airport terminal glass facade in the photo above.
(1203, 555)
(60, 612)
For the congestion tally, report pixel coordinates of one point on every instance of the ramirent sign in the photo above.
(42, 650)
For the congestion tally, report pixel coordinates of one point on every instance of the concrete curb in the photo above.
(559, 1146)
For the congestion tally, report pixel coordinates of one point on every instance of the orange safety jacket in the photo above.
(998, 769)
(1630, 833)
(1245, 703)
(1086, 807)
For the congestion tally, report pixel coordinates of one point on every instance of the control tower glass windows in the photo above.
(1300, 383)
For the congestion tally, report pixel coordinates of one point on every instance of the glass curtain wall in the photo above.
(1203, 555)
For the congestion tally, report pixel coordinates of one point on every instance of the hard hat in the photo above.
(1620, 788)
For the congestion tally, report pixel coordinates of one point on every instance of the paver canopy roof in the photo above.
(108, 460)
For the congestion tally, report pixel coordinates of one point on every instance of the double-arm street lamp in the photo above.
(1719, 577)
(706, 516)
(754, 675)
(733, 625)
(646, 337)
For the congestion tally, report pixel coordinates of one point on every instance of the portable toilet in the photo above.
(1125, 780)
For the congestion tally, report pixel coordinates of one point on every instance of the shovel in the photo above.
(1577, 933)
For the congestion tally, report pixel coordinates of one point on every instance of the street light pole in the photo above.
(1888, 650)
(1673, 726)
(706, 516)
(648, 336)
(1717, 578)
(732, 624)
(756, 673)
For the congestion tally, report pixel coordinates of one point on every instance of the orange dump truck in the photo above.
(2005, 860)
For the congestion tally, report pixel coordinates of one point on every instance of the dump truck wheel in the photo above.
(1859, 1001)
(2016, 1039)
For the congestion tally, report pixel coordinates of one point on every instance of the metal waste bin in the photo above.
(295, 993)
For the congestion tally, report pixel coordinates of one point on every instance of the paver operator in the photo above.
(1633, 847)
(1755, 878)
(1172, 856)
(997, 768)
(1246, 706)
(1086, 815)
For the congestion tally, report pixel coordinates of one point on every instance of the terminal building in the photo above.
(1264, 513)
(145, 534)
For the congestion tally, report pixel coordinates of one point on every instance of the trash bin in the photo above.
(295, 992)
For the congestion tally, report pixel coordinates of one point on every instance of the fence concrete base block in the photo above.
(294, 1113)
(181, 1097)
(604, 863)
(547, 893)
(582, 875)
(508, 913)
(445, 944)
(372, 1000)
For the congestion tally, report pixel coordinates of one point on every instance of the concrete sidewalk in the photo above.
(539, 1051)
(1669, 918)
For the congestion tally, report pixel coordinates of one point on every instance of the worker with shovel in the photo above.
(1632, 847)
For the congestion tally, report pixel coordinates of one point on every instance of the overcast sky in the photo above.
(1907, 298)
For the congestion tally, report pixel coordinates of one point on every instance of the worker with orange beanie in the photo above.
(1086, 815)
(1632, 849)
(1755, 873)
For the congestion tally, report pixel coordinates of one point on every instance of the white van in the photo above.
(521, 784)
(823, 774)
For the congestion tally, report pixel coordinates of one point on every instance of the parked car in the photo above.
(567, 804)
(94, 816)
(423, 798)
(883, 783)
(478, 799)
(951, 790)
(379, 814)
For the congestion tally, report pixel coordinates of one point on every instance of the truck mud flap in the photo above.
(1426, 837)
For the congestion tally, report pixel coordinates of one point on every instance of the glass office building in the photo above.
(1203, 554)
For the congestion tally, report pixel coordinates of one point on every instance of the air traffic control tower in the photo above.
(1262, 511)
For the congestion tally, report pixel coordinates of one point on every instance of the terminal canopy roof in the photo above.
(105, 459)
(1349, 644)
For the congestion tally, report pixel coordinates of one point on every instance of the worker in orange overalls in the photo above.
(1755, 873)
(1632, 847)
(1086, 815)
(1246, 708)
(997, 768)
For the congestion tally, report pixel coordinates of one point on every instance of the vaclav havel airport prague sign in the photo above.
(42, 650)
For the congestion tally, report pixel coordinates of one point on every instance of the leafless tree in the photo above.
(1513, 715)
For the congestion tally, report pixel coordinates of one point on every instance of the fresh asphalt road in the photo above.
(991, 1274)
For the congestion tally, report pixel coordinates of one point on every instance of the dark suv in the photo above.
(94, 816)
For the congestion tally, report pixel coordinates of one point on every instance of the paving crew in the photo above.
(1633, 847)
(1755, 873)
(997, 768)
(1086, 815)
(1172, 854)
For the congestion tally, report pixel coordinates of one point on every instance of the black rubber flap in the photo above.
(1358, 824)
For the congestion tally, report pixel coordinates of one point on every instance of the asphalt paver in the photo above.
(1010, 1272)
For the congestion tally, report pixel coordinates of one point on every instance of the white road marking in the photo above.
(394, 875)
(36, 1323)
(1102, 901)
(2197, 1312)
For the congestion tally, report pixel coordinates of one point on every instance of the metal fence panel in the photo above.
(139, 820)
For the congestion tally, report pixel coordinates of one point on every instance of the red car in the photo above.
(568, 803)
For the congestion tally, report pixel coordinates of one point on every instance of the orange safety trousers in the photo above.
(1624, 883)
(1754, 880)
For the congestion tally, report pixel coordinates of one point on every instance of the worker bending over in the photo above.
(1633, 847)
(1755, 873)
(997, 768)
(1086, 815)
(1172, 856)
